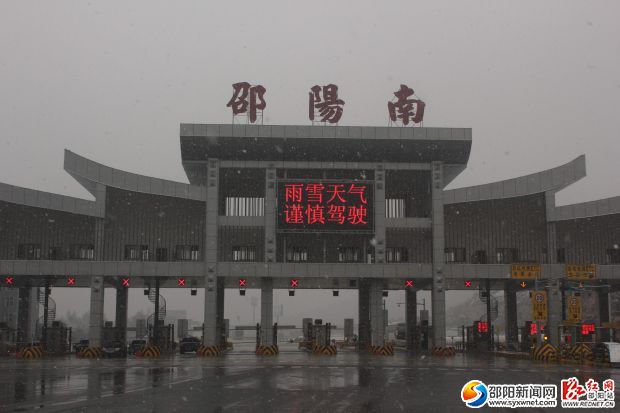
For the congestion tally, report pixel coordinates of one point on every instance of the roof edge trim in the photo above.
(90, 173)
(550, 180)
(589, 209)
(47, 200)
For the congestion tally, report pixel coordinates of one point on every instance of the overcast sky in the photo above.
(538, 82)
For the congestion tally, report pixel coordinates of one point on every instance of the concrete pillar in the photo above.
(411, 317)
(266, 312)
(270, 215)
(156, 317)
(95, 328)
(24, 332)
(510, 314)
(604, 316)
(210, 321)
(379, 215)
(122, 299)
(221, 327)
(210, 333)
(438, 293)
(554, 309)
(33, 312)
(377, 322)
(363, 327)
(46, 302)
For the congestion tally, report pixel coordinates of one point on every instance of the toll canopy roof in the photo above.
(322, 144)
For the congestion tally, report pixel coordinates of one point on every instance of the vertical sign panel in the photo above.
(539, 306)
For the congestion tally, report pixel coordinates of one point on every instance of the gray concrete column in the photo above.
(377, 322)
(554, 311)
(24, 332)
(221, 327)
(363, 327)
(411, 317)
(266, 312)
(210, 321)
(270, 215)
(210, 330)
(120, 322)
(33, 312)
(438, 293)
(95, 328)
(510, 314)
(379, 205)
(603, 312)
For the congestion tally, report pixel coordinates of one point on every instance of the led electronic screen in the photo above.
(325, 206)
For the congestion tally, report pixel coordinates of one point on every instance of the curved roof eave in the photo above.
(599, 207)
(47, 200)
(550, 180)
(90, 173)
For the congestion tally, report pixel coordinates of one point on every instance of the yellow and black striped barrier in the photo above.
(443, 351)
(267, 350)
(91, 353)
(31, 352)
(208, 351)
(385, 350)
(546, 352)
(579, 354)
(150, 351)
(328, 350)
(583, 352)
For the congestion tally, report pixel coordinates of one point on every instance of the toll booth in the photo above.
(163, 337)
(8, 338)
(528, 332)
(478, 336)
(318, 334)
(588, 333)
(258, 334)
(423, 333)
(58, 338)
(111, 335)
(349, 335)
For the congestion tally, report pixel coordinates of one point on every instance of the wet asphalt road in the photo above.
(294, 381)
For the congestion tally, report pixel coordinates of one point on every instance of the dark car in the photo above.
(114, 349)
(189, 344)
(135, 346)
(80, 345)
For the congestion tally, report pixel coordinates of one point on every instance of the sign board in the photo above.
(539, 306)
(325, 206)
(581, 272)
(573, 309)
(525, 271)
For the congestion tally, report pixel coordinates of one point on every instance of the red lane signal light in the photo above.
(181, 282)
(70, 281)
(483, 327)
(467, 283)
(408, 283)
(242, 282)
(8, 280)
(294, 283)
(587, 329)
(125, 282)
(533, 328)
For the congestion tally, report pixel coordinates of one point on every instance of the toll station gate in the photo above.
(320, 207)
